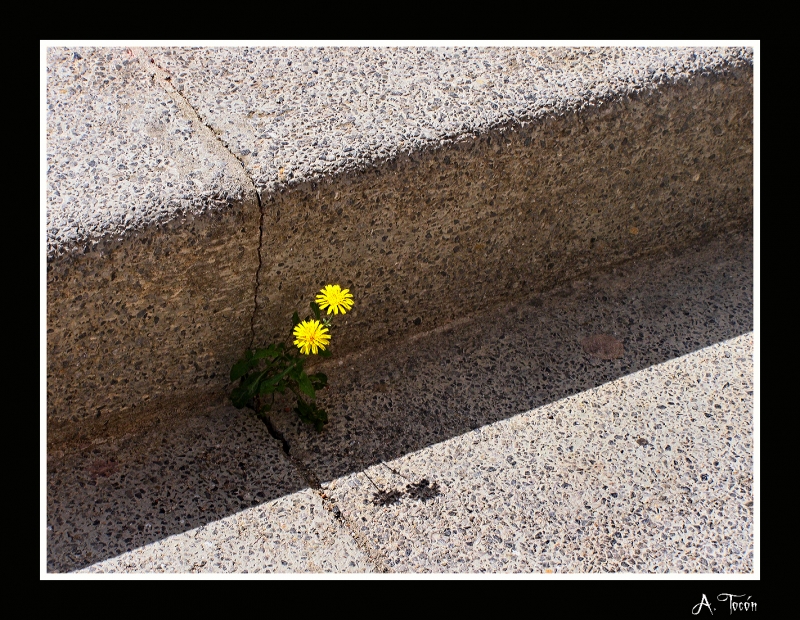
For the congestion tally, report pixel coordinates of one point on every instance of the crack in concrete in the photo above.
(311, 480)
(303, 470)
(165, 79)
(258, 270)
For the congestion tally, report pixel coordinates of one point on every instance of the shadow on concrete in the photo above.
(383, 405)
(184, 473)
(527, 354)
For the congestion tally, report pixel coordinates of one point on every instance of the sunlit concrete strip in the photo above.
(650, 473)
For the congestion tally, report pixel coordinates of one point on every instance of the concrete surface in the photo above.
(124, 119)
(505, 443)
(197, 197)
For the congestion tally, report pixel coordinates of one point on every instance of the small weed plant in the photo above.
(279, 366)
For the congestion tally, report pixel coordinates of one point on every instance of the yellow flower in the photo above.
(335, 299)
(311, 335)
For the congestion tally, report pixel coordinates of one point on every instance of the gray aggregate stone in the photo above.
(274, 107)
(525, 205)
(292, 534)
(501, 445)
(543, 459)
(121, 153)
(599, 482)
(210, 492)
(126, 153)
(484, 367)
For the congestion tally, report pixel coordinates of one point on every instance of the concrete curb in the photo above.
(499, 444)
(176, 238)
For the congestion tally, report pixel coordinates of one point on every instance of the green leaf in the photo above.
(295, 367)
(306, 387)
(240, 397)
(274, 383)
(250, 382)
(319, 380)
(321, 420)
(325, 354)
(311, 414)
(242, 367)
(295, 319)
(271, 351)
(250, 360)
(315, 309)
(303, 410)
(270, 385)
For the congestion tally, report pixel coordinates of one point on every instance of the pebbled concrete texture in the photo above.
(292, 534)
(123, 152)
(651, 473)
(196, 201)
(207, 492)
(511, 212)
(297, 113)
(505, 442)
(124, 120)
(138, 319)
(485, 367)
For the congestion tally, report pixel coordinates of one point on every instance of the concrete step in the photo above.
(503, 442)
(197, 197)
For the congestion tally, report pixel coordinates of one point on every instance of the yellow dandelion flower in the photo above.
(335, 299)
(311, 335)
